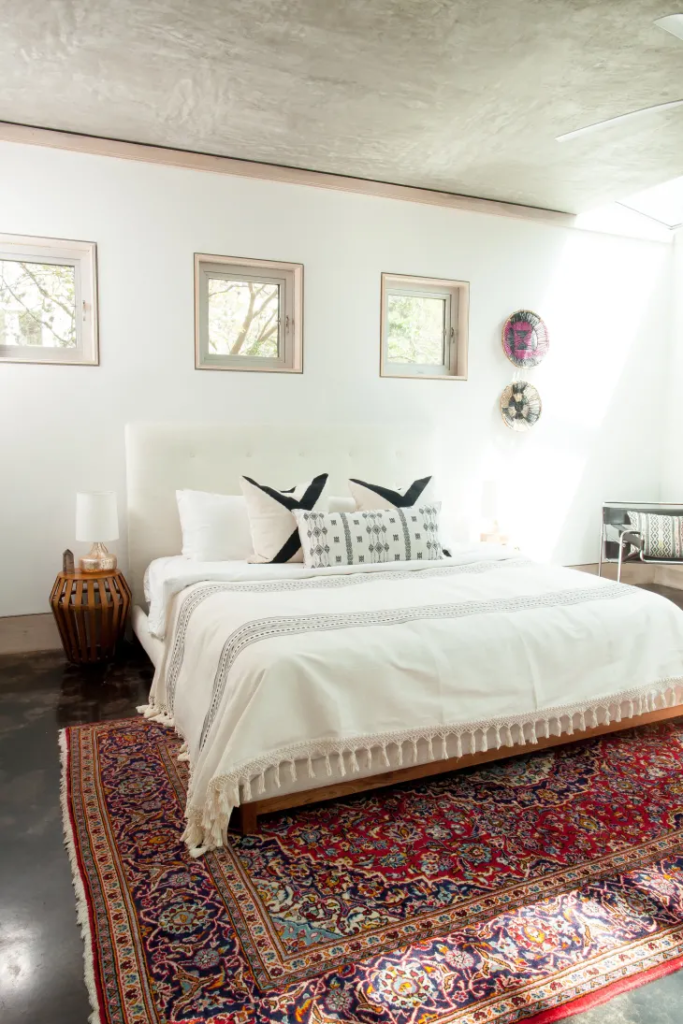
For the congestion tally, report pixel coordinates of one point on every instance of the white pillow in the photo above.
(363, 538)
(215, 526)
(369, 497)
(343, 504)
(273, 529)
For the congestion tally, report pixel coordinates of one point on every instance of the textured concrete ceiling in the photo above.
(465, 96)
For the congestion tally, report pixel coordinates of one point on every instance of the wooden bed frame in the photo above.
(245, 818)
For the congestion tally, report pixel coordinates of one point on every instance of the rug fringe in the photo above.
(82, 915)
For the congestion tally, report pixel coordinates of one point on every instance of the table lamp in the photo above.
(97, 521)
(489, 510)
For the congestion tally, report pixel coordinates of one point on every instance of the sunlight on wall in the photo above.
(618, 219)
(596, 309)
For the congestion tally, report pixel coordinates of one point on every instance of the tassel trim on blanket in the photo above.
(207, 826)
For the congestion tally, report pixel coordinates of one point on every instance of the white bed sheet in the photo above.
(166, 577)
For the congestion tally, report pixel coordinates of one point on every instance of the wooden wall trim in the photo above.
(98, 146)
(632, 572)
(638, 572)
(25, 634)
(669, 576)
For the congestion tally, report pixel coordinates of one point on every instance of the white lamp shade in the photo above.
(96, 516)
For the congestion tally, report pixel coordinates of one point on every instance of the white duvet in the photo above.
(273, 674)
(166, 577)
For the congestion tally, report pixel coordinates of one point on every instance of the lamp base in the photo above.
(98, 559)
(492, 534)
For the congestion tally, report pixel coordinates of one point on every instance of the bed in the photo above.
(290, 686)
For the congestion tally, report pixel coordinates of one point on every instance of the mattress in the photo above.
(152, 645)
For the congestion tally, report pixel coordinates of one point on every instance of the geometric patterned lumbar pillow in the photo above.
(662, 535)
(273, 529)
(369, 497)
(358, 538)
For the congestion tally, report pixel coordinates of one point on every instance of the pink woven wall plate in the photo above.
(525, 338)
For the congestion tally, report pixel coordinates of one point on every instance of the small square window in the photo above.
(48, 301)
(424, 327)
(248, 314)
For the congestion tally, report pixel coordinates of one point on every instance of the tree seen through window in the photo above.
(243, 318)
(37, 304)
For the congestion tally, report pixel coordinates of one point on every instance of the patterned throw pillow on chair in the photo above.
(662, 535)
(356, 538)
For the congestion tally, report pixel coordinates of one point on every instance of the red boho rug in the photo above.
(525, 890)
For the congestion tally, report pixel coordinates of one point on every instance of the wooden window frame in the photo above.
(82, 256)
(457, 327)
(289, 277)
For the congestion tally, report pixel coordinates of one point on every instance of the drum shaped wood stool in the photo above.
(91, 609)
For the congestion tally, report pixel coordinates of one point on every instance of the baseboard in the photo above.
(22, 634)
(669, 576)
(631, 572)
(637, 572)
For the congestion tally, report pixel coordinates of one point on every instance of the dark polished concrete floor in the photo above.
(41, 952)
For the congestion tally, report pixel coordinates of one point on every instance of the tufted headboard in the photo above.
(162, 457)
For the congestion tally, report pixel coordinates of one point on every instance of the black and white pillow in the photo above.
(357, 538)
(369, 497)
(273, 528)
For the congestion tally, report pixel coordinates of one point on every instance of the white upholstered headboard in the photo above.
(162, 457)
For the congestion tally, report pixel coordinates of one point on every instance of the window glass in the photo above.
(37, 304)
(424, 327)
(416, 326)
(243, 318)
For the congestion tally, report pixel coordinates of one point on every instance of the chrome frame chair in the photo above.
(629, 537)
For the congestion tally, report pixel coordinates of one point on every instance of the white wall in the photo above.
(606, 301)
(672, 470)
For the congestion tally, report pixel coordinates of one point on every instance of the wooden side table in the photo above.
(91, 609)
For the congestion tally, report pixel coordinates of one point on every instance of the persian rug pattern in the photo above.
(490, 895)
